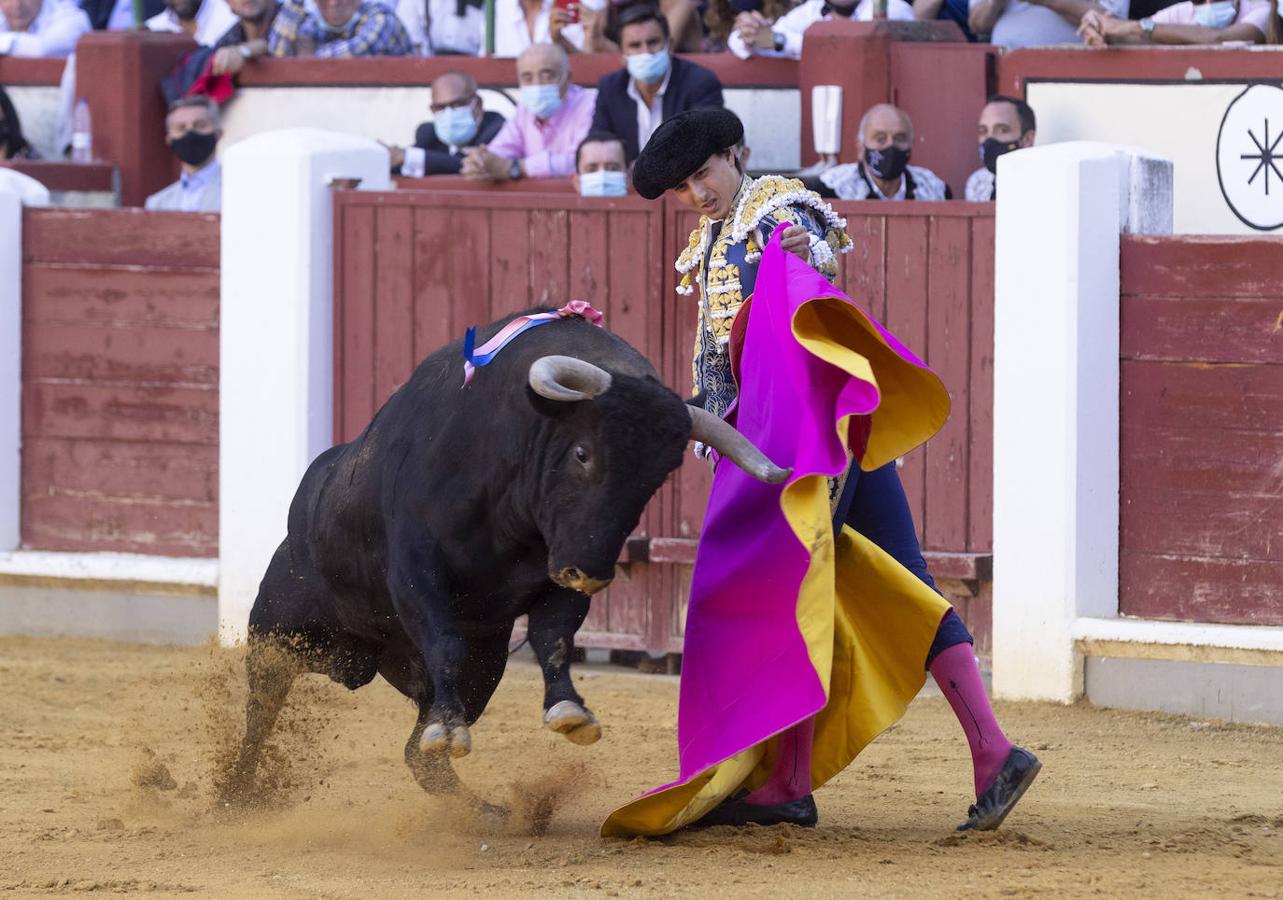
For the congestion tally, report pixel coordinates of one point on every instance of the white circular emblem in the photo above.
(1249, 156)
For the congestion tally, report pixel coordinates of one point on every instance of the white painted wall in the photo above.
(10, 363)
(276, 339)
(37, 108)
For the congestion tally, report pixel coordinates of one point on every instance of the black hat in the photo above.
(681, 145)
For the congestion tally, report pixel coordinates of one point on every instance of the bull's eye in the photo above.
(581, 454)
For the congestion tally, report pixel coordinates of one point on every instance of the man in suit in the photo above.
(653, 86)
(458, 121)
(193, 128)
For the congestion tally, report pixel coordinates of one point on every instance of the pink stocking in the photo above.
(791, 778)
(958, 676)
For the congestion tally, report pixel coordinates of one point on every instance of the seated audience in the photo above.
(192, 128)
(755, 35)
(205, 21)
(458, 122)
(247, 39)
(653, 84)
(1214, 22)
(1006, 124)
(541, 138)
(118, 15)
(1035, 23)
(883, 172)
(600, 167)
(685, 26)
(40, 27)
(947, 10)
(520, 24)
(443, 27)
(12, 144)
(337, 29)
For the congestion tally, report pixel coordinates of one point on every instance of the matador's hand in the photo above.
(797, 240)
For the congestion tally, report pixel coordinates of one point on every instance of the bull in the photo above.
(411, 551)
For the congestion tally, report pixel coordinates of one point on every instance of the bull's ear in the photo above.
(567, 379)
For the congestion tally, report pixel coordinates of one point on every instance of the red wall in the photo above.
(120, 381)
(1202, 429)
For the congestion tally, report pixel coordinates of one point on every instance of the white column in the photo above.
(10, 364)
(1056, 388)
(276, 347)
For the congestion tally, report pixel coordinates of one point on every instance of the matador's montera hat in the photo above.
(681, 145)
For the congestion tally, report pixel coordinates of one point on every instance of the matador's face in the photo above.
(710, 190)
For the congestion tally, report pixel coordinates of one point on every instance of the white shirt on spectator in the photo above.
(512, 38)
(980, 186)
(849, 182)
(1025, 24)
(213, 19)
(792, 24)
(201, 191)
(449, 32)
(1254, 12)
(648, 117)
(53, 32)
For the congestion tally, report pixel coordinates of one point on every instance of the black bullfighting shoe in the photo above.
(991, 807)
(734, 811)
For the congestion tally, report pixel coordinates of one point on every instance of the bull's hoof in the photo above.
(576, 723)
(440, 738)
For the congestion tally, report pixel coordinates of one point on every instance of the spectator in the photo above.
(755, 35)
(118, 15)
(683, 16)
(521, 24)
(1035, 23)
(193, 128)
(40, 27)
(947, 10)
(1209, 22)
(884, 173)
(443, 27)
(540, 139)
(1274, 33)
(653, 84)
(1006, 124)
(458, 122)
(12, 144)
(337, 29)
(247, 39)
(205, 21)
(720, 18)
(601, 169)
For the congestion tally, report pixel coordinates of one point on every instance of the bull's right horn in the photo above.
(726, 440)
(567, 379)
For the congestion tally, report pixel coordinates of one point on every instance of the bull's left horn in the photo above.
(726, 440)
(567, 379)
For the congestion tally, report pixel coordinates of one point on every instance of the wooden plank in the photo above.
(432, 297)
(140, 354)
(947, 462)
(164, 414)
(588, 261)
(119, 469)
(1225, 329)
(864, 267)
(471, 276)
(980, 505)
(509, 262)
(908, 249)
(1196, 266)
(549, 252)
(1234, 592)
(79, 524)
(1204, 395)
(358, 299)
(118, 297)
(121, 237)
(393, 306)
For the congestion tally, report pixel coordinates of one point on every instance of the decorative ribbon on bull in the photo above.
(485, 354)
(786, 620)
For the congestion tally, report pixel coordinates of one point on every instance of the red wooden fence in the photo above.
(413, 269)
(1202, 429)
(120, 381)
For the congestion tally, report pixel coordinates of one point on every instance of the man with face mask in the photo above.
(1006, 124)
(653, 85)
(205, 21)
(600, 167)
(1204, 22)
(40, 27)
(552, 117)
(337, 29)
(458, 122)
(192, 129)
(755, 35)
(883, 172)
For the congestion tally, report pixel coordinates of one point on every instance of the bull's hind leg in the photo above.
(270, 668)
(554, 619)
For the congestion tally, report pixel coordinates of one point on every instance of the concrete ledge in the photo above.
(114, 572)
(117, 613)
(1230, 692)
(1244, 645)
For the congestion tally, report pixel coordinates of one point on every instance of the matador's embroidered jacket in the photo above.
(722, 258)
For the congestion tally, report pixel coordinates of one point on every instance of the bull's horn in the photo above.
(726, 440)
(567, 379)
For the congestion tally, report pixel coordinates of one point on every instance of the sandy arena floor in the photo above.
(108, 754)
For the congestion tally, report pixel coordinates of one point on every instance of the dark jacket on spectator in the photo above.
(690, 86)
(438, 158)
(236, 34)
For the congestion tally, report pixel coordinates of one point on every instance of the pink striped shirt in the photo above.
(547, 149)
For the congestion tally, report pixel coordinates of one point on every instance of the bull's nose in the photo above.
(576, 580)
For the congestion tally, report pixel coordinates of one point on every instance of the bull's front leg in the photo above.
(553, 621)
(421, 597)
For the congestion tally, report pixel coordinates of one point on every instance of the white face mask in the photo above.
(1216, 15)
(541, 99)
(603, 184)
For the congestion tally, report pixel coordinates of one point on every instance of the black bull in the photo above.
(411, 551)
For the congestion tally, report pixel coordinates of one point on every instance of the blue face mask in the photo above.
(456, 126)
(648, 68)
(541, 99)
(1215, 15)
(603, 184)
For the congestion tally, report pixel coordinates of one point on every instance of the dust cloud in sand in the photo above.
(111, 757)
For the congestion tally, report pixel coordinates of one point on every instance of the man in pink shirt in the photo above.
(552, 117)
(1204, 22)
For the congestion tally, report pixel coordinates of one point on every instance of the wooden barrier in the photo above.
(413, 269)
(120, 381)
(1202, 430)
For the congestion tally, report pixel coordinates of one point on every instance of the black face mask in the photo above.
(991, 149)
(887, 164)
(194, 148)
(741, 6)
(844, 11)
(6, 131)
